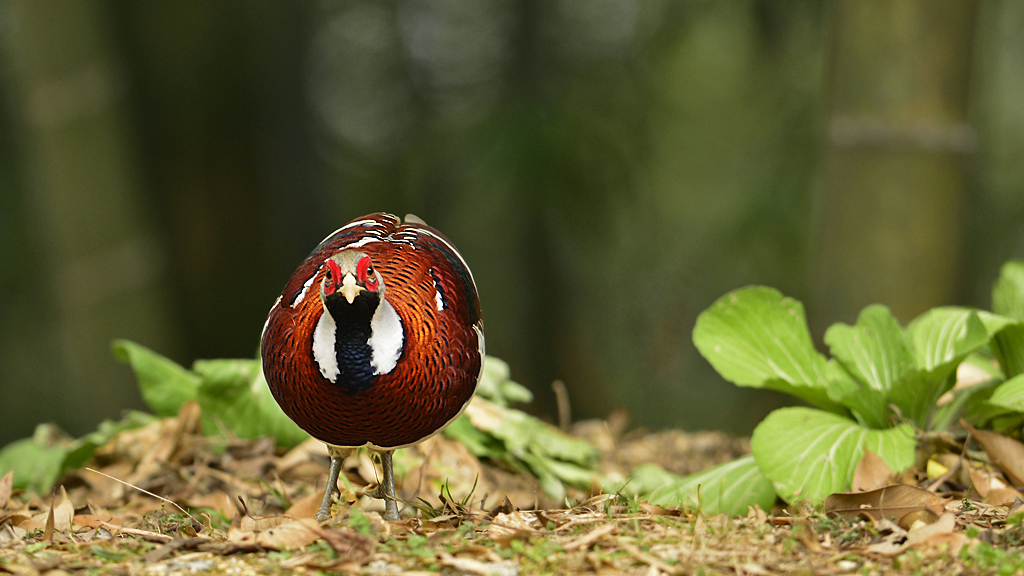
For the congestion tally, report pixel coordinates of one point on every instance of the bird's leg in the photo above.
(387, 487)
(338, 456)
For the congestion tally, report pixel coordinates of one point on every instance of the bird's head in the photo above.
(349, 274)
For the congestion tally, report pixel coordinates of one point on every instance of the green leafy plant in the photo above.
(492, 429)
(38, 462)
(233, 394)
(880, 386)
(234, 397)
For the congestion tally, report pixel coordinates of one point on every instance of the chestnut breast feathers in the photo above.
(420, 345)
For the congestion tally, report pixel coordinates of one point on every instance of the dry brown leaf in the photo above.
(756, 516)
(170, 443)
(256, 523)
(478, 567)
(6, 487)
(290, 535)
(804, 532)
(941, 532)
(219, 501)
(94, 521)
(871, 473)
(984, 479)
(48, 530)
(505, 527)
(894, 500)
(305, 460)
(63, 514)
(14, 518)
(917, 519)
(347, 543)
(655, 510)
(1002, 496)
(106, 489)
(1006, 453)
(305, 507)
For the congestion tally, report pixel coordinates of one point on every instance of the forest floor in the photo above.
(251, 509)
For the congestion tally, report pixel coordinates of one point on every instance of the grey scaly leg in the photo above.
(338, 455)
(324, 513)
(388, 487)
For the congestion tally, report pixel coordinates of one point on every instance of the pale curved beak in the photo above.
(349, 289)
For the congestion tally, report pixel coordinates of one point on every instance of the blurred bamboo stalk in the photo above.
(894, 159)
(99, 267)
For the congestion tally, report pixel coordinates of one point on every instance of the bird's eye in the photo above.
(369, 271)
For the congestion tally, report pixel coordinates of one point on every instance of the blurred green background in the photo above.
(608, 169)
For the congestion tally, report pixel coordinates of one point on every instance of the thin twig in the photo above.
(144, 491)
(147, 534)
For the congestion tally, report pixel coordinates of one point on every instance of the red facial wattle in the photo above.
(333, 277)
(364, 272)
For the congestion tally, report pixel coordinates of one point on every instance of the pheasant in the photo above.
(375, 341)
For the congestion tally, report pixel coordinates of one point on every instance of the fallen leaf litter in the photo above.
(251, 507)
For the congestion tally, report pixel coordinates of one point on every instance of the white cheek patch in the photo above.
(386, 338)
(323, 347)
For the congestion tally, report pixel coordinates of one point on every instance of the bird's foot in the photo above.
(324, 513)
(390, 503)
(391, 511)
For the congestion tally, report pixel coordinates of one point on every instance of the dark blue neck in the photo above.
(351, 341)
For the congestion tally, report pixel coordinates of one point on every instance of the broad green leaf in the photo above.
(522, 434)
(940, 339)
(873, 350)
(479, 443)
(1008, 348)
(1008, 291)
(37, 461)
(979, 411)
(554, 457)
(554, 475)
(165, 385)
(1006, 336)
(497, 386)
(808, 454)
(234, 393)
(757, 337)
(867, 405)
(547, 477)
(1010, 394)
(986, 377)
(729, 488)
(995, 323)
